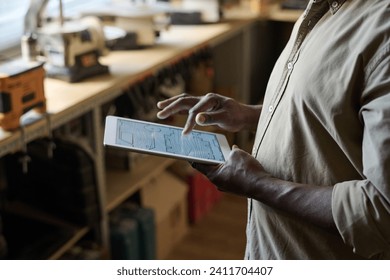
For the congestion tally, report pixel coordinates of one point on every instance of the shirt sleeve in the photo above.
(361, 209)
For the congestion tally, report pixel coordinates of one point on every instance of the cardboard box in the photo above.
(167, 196)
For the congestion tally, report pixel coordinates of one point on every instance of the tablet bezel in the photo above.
(110, 132)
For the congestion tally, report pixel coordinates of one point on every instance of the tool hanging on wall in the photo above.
(70, 48)
(24, 159)
(51, 144)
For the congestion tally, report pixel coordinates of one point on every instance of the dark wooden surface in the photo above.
(220, 235)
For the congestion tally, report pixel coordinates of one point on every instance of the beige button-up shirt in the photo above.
(326, 122)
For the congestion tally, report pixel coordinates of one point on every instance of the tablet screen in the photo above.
(166, 139)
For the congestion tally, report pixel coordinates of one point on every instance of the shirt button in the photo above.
(270, 108)
(335, 4)
(290, 66)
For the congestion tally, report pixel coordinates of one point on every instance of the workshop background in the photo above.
(65, 66)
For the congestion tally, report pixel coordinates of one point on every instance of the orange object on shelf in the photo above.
(21, 90)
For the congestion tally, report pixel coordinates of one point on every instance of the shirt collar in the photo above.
(334, 5)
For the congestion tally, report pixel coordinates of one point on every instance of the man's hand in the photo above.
(237, 175)
(210, 109)
(243, 175)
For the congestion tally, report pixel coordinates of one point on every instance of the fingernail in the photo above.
(159, 115)
(200, 118)
(186, 131)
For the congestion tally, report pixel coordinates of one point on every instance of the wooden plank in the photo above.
(78, 235)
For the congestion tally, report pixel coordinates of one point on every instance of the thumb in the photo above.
(204, 168)
(234, 149)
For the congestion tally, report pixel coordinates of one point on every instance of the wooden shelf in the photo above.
(25, 210)
(120, 185)
(78, 235)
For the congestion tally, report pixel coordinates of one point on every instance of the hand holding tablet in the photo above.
(165, 140)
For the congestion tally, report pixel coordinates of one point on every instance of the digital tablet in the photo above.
(165, 140)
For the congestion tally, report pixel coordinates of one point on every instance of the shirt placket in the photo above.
(312, 15)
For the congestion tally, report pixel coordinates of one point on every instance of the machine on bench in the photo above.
(142, 23)
(70, 49)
